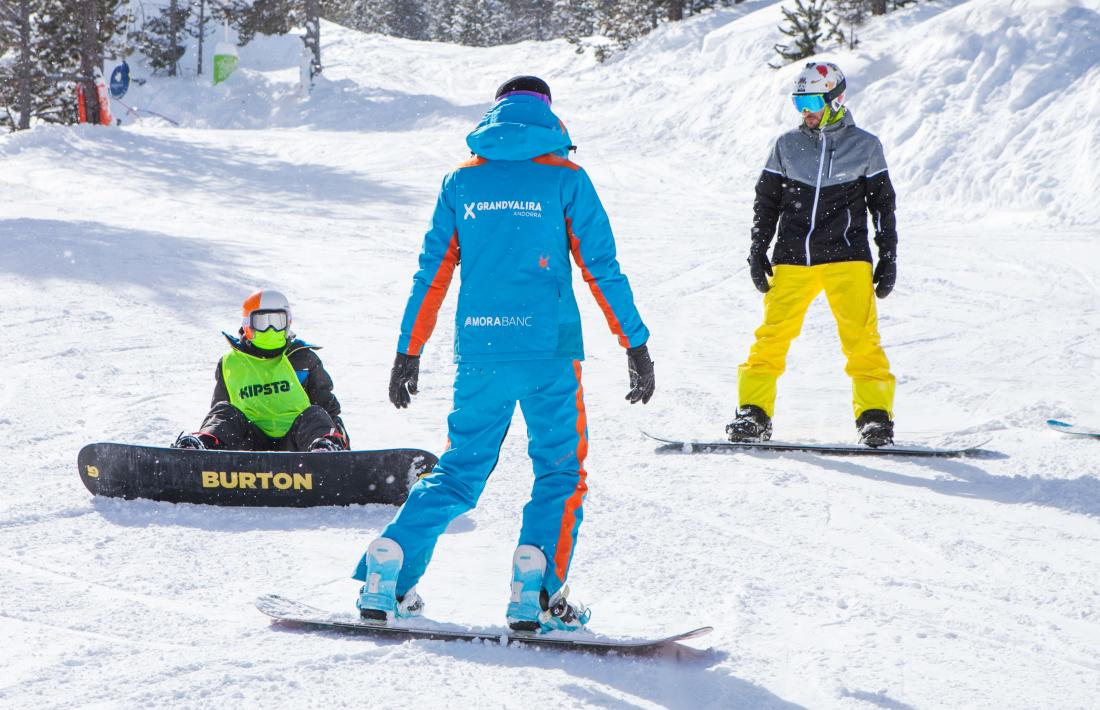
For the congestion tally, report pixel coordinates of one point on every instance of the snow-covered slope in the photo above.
(831, 583)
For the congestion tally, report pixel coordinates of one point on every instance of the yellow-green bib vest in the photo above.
(266, 390)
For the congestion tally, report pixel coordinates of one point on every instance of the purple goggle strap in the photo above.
(543, 97)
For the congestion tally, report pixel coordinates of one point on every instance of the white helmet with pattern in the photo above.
(818, 84)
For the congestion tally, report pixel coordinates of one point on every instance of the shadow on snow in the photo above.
(1077, 495)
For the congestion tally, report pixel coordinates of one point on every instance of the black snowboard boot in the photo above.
(751, 424)
(325, 443)
(188, 441)
(875, 428)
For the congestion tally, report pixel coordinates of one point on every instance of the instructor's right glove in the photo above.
(886, 273)
(759, 267)
(641, 374)
(403, 376)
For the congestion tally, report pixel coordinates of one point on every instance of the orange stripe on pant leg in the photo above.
(564, 549)
(608, 313)
(433, 299)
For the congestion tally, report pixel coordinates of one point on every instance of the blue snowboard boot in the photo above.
(531, 608)
(378, 597)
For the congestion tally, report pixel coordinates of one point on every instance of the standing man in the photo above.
(820, 181)
(511, 215)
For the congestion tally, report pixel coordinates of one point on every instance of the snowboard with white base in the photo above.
(1073, 429)
(291, 612)
(695, 446)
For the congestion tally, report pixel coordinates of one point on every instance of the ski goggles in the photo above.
(809, 102)
(260, 321)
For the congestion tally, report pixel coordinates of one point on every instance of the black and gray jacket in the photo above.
(818, 186)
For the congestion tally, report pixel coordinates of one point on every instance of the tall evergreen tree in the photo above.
(18, 79)
(62, 43)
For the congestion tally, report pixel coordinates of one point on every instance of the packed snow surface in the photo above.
(847, 583)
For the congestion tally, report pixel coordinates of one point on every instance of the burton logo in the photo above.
(263, 480)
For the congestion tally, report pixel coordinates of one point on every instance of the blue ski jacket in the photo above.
(512, 216)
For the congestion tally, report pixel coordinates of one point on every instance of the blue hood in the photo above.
(519, 128)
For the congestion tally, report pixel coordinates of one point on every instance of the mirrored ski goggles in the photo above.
(809, 102)
(260, 321)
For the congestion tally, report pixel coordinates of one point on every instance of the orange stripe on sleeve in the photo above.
(564, 549)
(612, 320)
(433, 299)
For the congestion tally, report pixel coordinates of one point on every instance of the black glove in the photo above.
(886, 273)
(406, 369)
(641, 374)
(759, 267)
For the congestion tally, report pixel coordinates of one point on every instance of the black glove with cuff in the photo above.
(403, 376)
(886, 273)
(640, 367)
(759, 267)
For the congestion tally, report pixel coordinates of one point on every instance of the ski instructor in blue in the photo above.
(511, 216)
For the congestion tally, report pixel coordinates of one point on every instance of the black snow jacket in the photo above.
(818, 186)
(306, 363)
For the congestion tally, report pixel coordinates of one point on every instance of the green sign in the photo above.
(225, 61)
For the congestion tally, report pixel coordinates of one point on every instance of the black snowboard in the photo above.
(676, 446)
(255, 478)
(289, 611)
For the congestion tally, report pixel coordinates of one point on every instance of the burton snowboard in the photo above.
(291, 612)
(692, 446)
(253, 478)
(1073, 429)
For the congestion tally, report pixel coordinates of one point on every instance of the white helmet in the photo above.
(263, 310)
(820, 78)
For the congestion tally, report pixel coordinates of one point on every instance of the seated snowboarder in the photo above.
(271, 392)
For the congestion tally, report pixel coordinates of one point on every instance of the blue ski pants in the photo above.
(485, 394)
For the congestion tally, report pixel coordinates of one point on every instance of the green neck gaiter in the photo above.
(270, 339)
(829, 118)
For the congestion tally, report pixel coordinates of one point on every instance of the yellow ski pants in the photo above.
(847, 285)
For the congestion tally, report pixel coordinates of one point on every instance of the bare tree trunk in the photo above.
(675, 10)
(878, 7)
(25, 67)
(202, 32)
(89, 58)
(313, 36)
(173, 36)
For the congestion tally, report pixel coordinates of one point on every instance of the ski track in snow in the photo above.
(831, 582)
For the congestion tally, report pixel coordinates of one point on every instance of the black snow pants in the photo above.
(233, 431)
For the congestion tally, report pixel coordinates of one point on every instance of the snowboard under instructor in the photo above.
(271, 392)
(511, 216)
(818, 184)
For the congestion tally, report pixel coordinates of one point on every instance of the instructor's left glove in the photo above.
(886, 273)
(403, 376)
(641, 374)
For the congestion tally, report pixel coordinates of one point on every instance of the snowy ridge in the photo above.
(830, 583)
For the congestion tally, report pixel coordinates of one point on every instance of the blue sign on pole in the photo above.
(120, 80)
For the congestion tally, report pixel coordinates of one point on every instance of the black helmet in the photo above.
(524, 85)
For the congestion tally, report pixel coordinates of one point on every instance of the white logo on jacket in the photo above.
(497, 322)
(519, 208)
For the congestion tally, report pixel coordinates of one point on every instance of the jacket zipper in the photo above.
(817, 193)
(848, 211)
